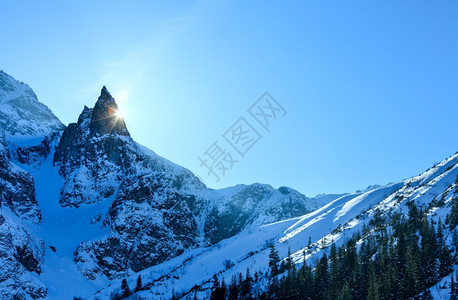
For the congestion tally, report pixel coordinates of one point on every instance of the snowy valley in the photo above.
(84, 208)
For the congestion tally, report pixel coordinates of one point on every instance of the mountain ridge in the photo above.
(95, 162)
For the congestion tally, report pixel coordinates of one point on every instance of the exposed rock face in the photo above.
(17, 190)
(149, 219)
(254, 205)
(152, 221)
(148, 226)
(141, 237)
(20, 252)
(20, 257)
(32, 151)
(94, 154)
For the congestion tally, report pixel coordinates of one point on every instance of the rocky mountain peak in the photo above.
(20, 111)
(85, 115)
(105, 94)
(94, 153)
(105, 117)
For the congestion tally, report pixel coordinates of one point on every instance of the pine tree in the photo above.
(233, 289)
(439, 238)
(388, 288)
(453, 217)
(427, 254)
(453, 289)
(321, 277)
(125, 291)
(305, 281)
(295, 282)
(139, 285)
(274, 261)
(445, 262)
(401, 250)
(427, 295)
(273, 288)
(410, 282)
(373, 287)
(346, 292)
(289, 261)
(218, 290)
(247, 286)
(365, 255)
(334, 273)
(223, 288)
(350, 260)
(414, 215)
(174, 296)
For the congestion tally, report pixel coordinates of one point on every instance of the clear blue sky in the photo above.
(370, 87)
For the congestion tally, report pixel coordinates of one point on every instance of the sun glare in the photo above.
(121, 98)
(119, 114)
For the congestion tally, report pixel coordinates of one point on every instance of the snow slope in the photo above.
(192, 272)
(63, 229)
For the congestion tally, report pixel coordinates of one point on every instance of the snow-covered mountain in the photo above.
(28, 122)
(84, 206)
(313, 233)
(133, 209)
(21, 113)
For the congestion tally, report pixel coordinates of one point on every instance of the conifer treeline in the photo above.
(395, 257)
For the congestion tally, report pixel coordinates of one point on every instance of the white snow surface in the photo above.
(441, 291)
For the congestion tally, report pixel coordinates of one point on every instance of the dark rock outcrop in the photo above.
(254, 205)
(17, 189)
(94, 154)
(21, 253)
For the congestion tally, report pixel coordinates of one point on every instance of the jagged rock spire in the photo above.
(97, 143)
(105, 93)
(105, 119)
(85, 115)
